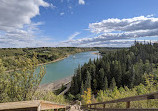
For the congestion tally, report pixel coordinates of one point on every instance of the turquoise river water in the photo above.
(65, 68)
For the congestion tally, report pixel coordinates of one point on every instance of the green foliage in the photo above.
(88, 80)
(87, 96)
(58, 91)
(113, 84)
(70, 97)
(82, 88)
(49, 96)
(20, 85)
(105, 87)
(151, 86)
(117, 67)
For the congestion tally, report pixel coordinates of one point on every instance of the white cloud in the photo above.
(16, 13)
(16, 27)
(74, 35)
(110, 31)
(81, 2)
(130, 24)
(62, 13)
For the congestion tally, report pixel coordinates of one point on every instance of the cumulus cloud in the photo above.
(74, 35)
(112, 30)
(81, 2)
(15, 13)
(130, 24)
(16, 27)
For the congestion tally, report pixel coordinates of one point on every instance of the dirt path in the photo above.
(67, 88)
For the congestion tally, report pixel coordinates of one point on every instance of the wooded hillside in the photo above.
(121, 67)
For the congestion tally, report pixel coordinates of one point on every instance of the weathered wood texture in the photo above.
(36, 105)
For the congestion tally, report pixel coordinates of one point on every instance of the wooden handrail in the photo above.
(133, 98)
(127, 100)
(33, 105)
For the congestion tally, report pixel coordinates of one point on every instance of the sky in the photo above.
(77, 23)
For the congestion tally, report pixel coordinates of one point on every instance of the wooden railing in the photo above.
(34, 105)
(127, 100)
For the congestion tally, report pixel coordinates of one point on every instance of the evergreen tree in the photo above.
(79, 78)
(94, 85)
(105, 83)
(113, 84)
(119, 67)
(82, 88)
(101, 78)
(88, 80)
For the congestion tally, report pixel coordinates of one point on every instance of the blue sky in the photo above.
(82, 23)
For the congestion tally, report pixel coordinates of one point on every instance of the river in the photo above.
(64, 68)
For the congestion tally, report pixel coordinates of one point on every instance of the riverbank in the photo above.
(59, 59)
(97, 53)
(56, 84)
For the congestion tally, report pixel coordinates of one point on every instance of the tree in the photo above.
(101, 78)
(82, 88)
(88, 80)
(87, 96)
(3, 83)
(94, 85)
(113, 84)
(22, 84)
(105, 83)
(79, 79)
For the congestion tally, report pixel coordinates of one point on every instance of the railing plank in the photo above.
(127, 100)
(116, 109)
(133, 98)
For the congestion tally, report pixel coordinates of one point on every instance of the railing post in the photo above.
(103, 107)
(128, 104)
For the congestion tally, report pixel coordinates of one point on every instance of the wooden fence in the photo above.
(127, 100)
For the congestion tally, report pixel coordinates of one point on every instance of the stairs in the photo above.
(75, 108)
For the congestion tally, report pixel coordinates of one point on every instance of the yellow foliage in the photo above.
(87, 96)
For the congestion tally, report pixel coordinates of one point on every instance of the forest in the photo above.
(125, 69)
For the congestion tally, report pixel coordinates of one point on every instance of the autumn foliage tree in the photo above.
(87, 96)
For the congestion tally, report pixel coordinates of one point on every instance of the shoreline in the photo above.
(97, 53)
(56, 84)
(59, 59)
